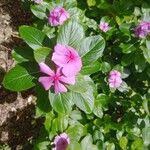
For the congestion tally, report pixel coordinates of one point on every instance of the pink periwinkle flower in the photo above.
(104, 26)
(38, 1)
(58, 16)
(142, 30)
(61, 142)
(68, 59)
(56, 79)
(114, 79)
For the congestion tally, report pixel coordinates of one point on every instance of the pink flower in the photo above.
(104, 26)
(38, 1)
(68, 59)
(142, 30)
(61, 142)
(114, 79)
(54, 79)
(58, 16)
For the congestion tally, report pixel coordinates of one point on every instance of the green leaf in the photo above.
(75, 132)
(59, 124)
(123, 87)
(23, 54)
(123, 142)
(33, 37)
(90, 69)
(91, 49)
(140, 63)
(106, 67)
(91, 3)
(42, 102)
(48, 121)
(84, 100)
(41, 54)
(42, 145)
(21, 77)
(110, 146)
(98, 111)
(137, 144)
(128, 59)
(71, 33)
(74, 146)
(80, 86)
(146, 51)
(86, 144)
(146, 105)
(146, 12)
(146, 135)
(39, 11)
(127, 47)
(61, 103)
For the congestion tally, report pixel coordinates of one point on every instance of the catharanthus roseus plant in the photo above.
(88, 63)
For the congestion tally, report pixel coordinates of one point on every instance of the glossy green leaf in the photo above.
(33, 37)
(98, 111)
(86, 143)
(71, 33)
(42, 102)
(146, 135)
(21, 77)
(91, 49)
(146, 51)
(59, 124)
(123, 142)
(41, 54)
(39, 11)
(90, 69)
(75, 132)
(84, 100)
(61, 103)
(23, 54)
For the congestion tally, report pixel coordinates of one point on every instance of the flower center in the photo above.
(56, 78)
(70, 57)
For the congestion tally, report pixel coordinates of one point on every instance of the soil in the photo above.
(17, 124)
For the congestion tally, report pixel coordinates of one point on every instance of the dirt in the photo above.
(17, 124)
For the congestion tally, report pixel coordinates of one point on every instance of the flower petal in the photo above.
(59, 59)
(47, 82)
(46, 69)
(68, 80)
(59, 88)
(72, 69)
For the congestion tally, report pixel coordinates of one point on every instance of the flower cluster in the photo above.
(61, 142)
(143, 29)
(114, 79)
(58, 16)
(68, 64)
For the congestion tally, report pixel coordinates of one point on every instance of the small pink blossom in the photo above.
(68, 59)
(54, 79)
(115, 79)
(61, 142)
(58, 16)
(104, 26)
(38, 1)
(142, 30)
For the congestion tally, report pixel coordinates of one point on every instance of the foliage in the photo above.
(94, 116)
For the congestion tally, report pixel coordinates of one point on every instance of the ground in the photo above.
(17, 124)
